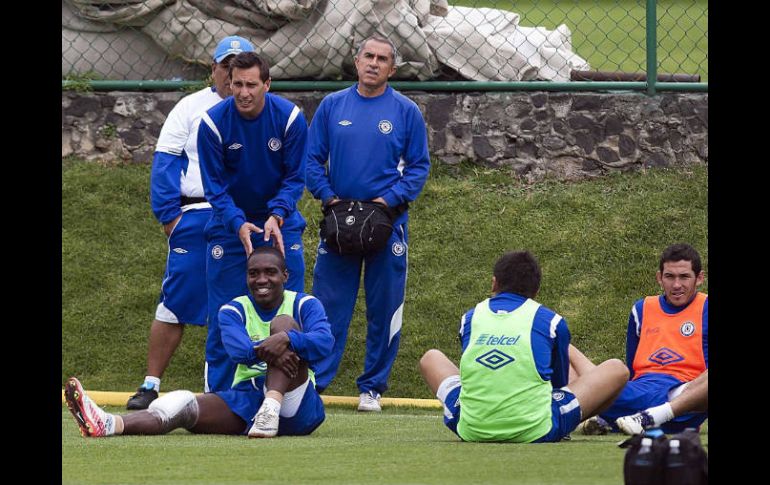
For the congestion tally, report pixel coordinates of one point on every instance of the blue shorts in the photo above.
(245, 400)
(565, 414)
(647, 391)
(183, 291)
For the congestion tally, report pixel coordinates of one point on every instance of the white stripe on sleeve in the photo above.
(554, 322)
(299, 309)
(210, 123)
(292, 117)
(636, 320)
(231, 308)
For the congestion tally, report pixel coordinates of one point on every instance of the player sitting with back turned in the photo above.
(512, 382)
(274, 335)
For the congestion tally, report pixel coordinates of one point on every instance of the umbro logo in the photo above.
(234, 146)
(494, 359)
(180, 250)
(295, 247)
(345, 123)
(665, 356)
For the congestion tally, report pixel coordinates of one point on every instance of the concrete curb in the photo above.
(111, 398)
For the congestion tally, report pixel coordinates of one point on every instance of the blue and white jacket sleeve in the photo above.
(416, 159)
(560, 355)
(316, 177)
(167, 164)
(211, 160)
(235, 338)
(632, 335)
(315, 340)
(464, 334)
(293, 184)
(165, 187)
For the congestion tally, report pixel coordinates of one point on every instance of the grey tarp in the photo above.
(315, 39)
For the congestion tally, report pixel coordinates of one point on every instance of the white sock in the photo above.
(151, 382)
(661, 414)
(109, 424)
(271, 403)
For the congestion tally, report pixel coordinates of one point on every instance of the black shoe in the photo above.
(142, 398)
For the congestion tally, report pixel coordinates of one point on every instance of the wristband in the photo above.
(277, 218)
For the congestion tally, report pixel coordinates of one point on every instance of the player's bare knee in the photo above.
(283, 323)
(618, 369)
(429, 358)
(177, 409)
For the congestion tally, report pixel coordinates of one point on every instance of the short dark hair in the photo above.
(518, 272)
(245, 60)
(681, 252)
(269, 250)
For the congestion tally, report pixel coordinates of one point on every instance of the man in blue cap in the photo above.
(178, 202)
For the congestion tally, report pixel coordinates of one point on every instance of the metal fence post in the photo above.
(652, 46)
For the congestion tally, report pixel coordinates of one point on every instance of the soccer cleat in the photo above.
(369, 402)
(594, 426)
(635, 423)
(142, 398)
(265, 423)
(91, 419)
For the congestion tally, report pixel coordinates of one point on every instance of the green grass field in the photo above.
(610, 34)
(598, 243)
(399, 446)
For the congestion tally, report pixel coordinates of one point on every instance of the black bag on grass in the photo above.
(645, 458)
(687, 461)
(651, 458)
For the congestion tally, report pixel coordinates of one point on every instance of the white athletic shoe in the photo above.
(91, 419)
(265, 423)
(369, 402)
(635, 423)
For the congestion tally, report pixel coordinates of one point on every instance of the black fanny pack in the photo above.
(357, 226)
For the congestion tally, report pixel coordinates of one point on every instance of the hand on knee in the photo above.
(273, 347)
(283, 323)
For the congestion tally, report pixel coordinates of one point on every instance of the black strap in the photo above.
(392, 211)
(191, 200)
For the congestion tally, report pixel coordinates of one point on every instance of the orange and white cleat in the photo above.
(92, 420)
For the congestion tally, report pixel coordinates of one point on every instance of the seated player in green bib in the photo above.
(274, 335)
(513, 383)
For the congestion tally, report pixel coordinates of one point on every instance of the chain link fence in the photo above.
(315, 40)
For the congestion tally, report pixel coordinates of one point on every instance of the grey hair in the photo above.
(385, 40)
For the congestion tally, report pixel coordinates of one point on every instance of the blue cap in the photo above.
(232, 45)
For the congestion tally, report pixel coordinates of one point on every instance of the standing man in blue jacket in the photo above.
(367, 142)
(251, 148)
(178, 202)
